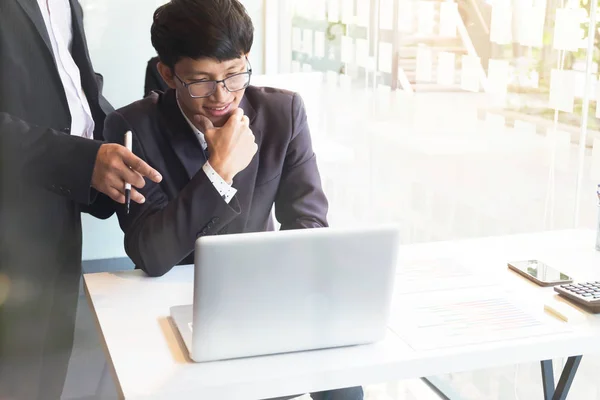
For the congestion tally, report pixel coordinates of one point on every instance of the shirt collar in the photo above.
(196, 131)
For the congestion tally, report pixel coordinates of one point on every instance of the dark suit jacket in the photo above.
(185, 205)
(153, 81)
(45, 176)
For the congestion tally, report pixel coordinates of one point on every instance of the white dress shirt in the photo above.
(225, 190)
(58, 20)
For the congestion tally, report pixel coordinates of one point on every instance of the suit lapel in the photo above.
(245, 181)
(77, 18)
(186, 146)
(249, 174)
(180, 135)
(32, 10)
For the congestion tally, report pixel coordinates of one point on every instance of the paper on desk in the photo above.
(438, 274)
(468, 318)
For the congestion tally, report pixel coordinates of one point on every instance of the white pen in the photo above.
(128, 145)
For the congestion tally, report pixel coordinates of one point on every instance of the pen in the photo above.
(128, 145)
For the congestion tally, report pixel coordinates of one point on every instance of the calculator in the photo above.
(585, 294)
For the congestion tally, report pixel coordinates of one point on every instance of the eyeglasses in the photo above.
(233, 83)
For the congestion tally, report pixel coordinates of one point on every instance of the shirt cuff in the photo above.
(225, 190)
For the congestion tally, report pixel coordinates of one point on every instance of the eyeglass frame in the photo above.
(217, 82)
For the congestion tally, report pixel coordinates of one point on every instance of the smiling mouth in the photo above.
(218, 111)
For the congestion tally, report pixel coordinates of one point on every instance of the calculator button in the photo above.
(587, 295)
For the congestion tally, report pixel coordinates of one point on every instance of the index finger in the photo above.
(138, 165)
(237, 116)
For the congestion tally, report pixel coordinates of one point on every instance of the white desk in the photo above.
(149, 361)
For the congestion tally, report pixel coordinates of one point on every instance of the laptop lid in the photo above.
(276, 292)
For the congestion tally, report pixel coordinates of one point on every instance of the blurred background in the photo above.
(452, 118)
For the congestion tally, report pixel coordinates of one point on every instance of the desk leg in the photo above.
(441, 388)
(548, 379)
(565, 381)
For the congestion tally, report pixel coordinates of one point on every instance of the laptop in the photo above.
(279, 292)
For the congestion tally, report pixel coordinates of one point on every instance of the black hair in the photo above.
(217, 29)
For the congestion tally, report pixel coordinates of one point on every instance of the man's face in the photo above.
(219, 105)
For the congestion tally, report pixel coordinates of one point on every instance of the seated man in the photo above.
(227, 151)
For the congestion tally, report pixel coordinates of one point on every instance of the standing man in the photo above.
(53, 164)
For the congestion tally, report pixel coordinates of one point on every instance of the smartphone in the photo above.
(540, 273)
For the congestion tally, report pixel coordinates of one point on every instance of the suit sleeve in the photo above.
(54, 160)
(162, 231)
(102, 206)
(300, 201)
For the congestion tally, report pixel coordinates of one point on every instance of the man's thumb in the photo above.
(203, 123)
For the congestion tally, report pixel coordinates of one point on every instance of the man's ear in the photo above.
(167, 74)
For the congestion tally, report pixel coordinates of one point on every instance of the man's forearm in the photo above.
(160, 233)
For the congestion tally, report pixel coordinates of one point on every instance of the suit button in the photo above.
(66, 130)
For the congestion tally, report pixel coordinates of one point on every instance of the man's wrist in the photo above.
(227, 177)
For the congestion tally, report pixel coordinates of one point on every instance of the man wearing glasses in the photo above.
(228, 151)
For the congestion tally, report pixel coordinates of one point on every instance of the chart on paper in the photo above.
(447, 321)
